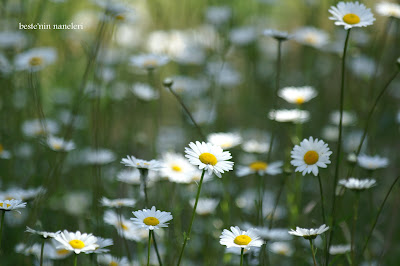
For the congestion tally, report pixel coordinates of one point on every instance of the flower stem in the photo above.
(123, 236)
(378, 214)
(76, 260)
(41, 253)
(353, 230)
(271, 220)
(148, 249)
(155, 247)
(143, 180)
(321, 192)
(241, 257)
(260, 198)
(1, 226)
(339, 142)
(187, 236)
(312, 252)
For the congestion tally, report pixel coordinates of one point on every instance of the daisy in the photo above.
(209, 157)
(255, 146)
(124, 227)
(243, 36)
(310, 155)
(225, 140)
(311, 36)
(297, 95)
(275, 234)
(98, 156)
(309, 233)
(102, 243)
(294, 115)
(109, 260)
(43, 234)
(151, 219)
(357, 184)
(218, 15)
(281, 248)
(339, 249)
(76, 242)
(132, 161)
(12, 205)
(388, 9)
(149, 61)
(145, 92)
(59, 144)
(260, 168)
(349, 15)
(129, 176)
(177, 168)
(34, 128)
(349, 118)
(278, 35)
(117, 203)
(205, 206)
(239, 238)
(372, 162)
(23, 194)
(35, 59)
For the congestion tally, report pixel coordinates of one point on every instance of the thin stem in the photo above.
(261, 196)
(276, 202)
(123, 236)
(312, 252)
(321, 192)
(353, 230)
(169, 86)
(378, 214)
(41, 253)
(1, 226)
(339, 142)
(241, 257)
(370, 115)
(148, 249)
(156, 248)
(187, 236)
(76, 260)
(143, 178)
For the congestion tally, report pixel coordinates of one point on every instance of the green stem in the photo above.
(339, 143)
(377, 215)
(123, 236)
(155, 247)
(41, 253)
(261, 196)
(241, 256)
(1, 226)
(277, 201)
(312, 252)
(76, 260)
(353, 230)
(187, 236)
(321, 192)
(148, 249)
(143, 179)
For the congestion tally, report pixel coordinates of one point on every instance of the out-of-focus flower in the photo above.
(349, 118)
(43, 234)
(205, 206)
(125, 228)
(243, 36)
(35, 128)
(132, 161)
(108, 260)
(260, 168)
(145, 92)
(281, 248)
(311, 36)
(35, 59)
(297, 95)
(388, 9)
(255, 146)
(177, 168)
(149, 61)
(372, 162)
(357, 184)
(218, 15)
(59, 144)
(225, 140)
(294, 115)
(339, 249)
(278, 35)
(117, 203)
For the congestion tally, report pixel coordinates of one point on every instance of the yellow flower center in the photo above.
(311, 39)
(311, 157)
(176, 168)
(76, 243)
(8, 205)
(208, 158)
(56, 146)
(258, 166)
(113, 263)
(123, 226)
(120, 17)
(35, 61)
(282, 251)
(151, 221)
(351, 19)
(226, 145)
(242, 240)
(300, 100)
(151, 63)
(62, 252)
(1, 148)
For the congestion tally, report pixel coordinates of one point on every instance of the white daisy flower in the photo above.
(76, 242)
(97, 156)
(23, 194)
(310, 155)
(281, 248)
(124, 227)
(151, 219)
(35, 59)
(388, 9)
(102, 243)
(132, 161)
(357, 184)
(275, 234)
(225, 140)
(294, 115)
(145, 92)
(12, 205)
(339, 249)
(129, 176)
(149, 61)
(243, 36)
(59, 144)
(205, 206)
(297, 95)
(349, 15)
(117, 203)
(309, 233)
(278, 35)
(260, 168)
(218, 15)
(311, 36)
(34, 128)
(177, 168)
(43, 234)
(108, 260)
(209, 157)
(372, 162)
(255, 146)
(349, 118)
(240, 239)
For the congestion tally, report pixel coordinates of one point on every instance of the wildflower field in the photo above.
(215, 132)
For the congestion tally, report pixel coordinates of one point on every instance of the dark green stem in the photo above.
(156, 248)
(187, 236)
(148, 249)
(312, 252)
(241, 256)
(76, 260)
(277, 201)
(353, 230)
(321, 192)
(41, 252)
(1, 226)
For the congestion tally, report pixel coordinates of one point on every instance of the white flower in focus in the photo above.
(297, 95)
(388, 9)
(43, 234)
(310, 155)
(76, 242)
(209, 157)
(12, 205)
(294, 116)
(357, 184)
(372, 162)
(349, 15)
(260, 168)
(309, 233)
(101, 244)
(225, 140)
(311, 36)
(151, 219)
(239, 238)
